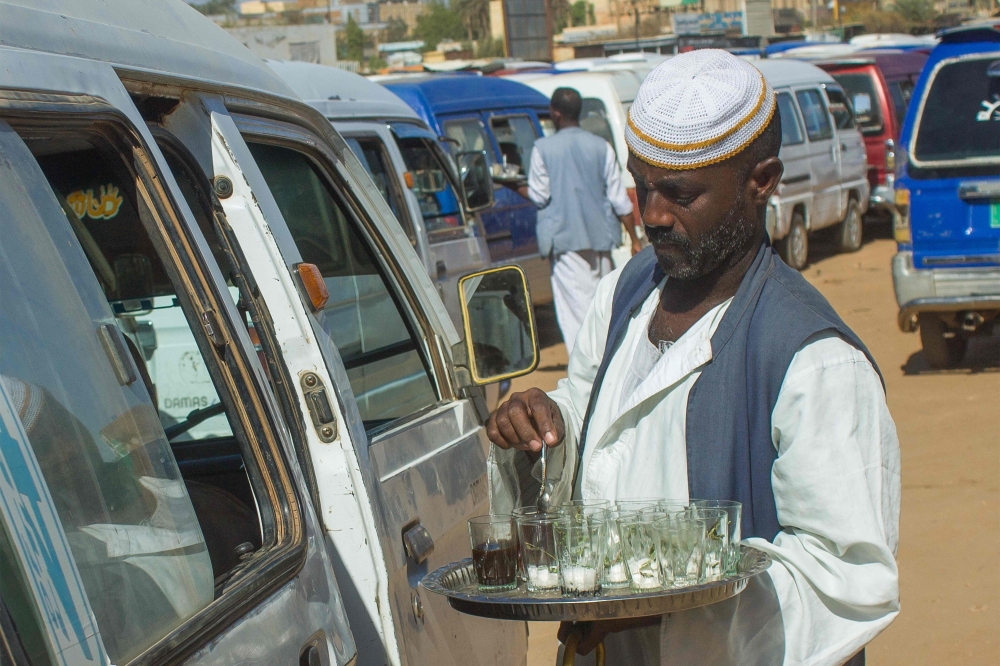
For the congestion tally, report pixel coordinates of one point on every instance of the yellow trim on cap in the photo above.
(708, 142)
(714, 160)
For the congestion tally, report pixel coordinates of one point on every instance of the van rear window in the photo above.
(961, 114)
(860, 89)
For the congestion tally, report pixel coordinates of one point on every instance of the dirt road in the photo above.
(949, 433)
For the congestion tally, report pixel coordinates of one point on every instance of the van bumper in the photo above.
(882, 196)
(941, 289)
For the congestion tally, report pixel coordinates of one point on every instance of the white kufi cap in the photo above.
(698, 108)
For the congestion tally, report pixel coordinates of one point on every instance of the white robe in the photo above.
(833, 584)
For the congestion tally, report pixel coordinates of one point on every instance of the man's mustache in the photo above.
(663, 236)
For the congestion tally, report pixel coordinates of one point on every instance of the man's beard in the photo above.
(716, 247)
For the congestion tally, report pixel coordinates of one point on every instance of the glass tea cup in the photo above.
(494, 552)
(639, 541)
(680, 548)
(540, 566)
(715, 549)
(735, 515)
(615, 567)
(581, 539)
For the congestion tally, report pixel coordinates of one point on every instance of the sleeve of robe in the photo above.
(836, 485)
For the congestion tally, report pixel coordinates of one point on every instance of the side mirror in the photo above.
(477, 183)
(500, 340)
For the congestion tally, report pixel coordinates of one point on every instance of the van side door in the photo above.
(405, 464)
(824, 158)
(796, 187)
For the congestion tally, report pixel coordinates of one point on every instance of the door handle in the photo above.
(418, 543)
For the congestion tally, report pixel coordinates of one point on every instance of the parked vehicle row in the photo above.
(237, 423)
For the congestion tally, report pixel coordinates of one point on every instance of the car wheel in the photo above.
(851, 227)
(939, 351)
(794, 248)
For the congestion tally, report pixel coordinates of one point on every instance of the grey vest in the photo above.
(730, 451)
(579, 214)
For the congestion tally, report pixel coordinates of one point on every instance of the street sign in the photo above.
(707, 24)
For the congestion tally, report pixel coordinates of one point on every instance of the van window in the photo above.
(860, 89)
(516, 137)
(382, 355)
(791, 130)
(961, 113)
(439, 204)
(84, 404)
(471, 136)
(370, 151)
(594, 119)
(549, 127)
(814, 113)
(840, 108)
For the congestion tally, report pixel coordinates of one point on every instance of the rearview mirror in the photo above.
(500, 340)
(477, 184)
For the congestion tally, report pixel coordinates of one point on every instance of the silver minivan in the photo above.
(158, 178)
(825, 183)
(405, 160)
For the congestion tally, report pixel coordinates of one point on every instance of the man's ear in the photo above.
(764, 179)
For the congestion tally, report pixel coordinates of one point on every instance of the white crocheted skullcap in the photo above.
(698, 108)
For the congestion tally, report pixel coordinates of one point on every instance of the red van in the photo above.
(879, 83)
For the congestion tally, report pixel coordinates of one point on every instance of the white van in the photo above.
(417, 178)
(155, 173)
(825, 183)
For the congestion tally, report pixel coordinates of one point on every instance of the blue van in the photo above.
(504, 118)
(947, 269)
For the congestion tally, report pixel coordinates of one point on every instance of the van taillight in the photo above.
(901, 222)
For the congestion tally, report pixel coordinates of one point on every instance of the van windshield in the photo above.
(961, 113)
(594, 119)
(860, 89)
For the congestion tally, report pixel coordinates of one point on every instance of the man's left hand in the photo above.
(593, 633)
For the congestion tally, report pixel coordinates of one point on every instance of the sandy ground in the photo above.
(949, 434)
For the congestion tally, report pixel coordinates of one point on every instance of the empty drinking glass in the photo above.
(639, 539)
(735, 512)
(687, 537)
(715, 551)
(538, 551)
(494, 552)
(581, 538)
(637, 504)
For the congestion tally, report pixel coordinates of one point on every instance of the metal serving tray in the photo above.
(457, 581)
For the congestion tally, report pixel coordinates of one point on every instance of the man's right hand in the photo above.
(526, 420)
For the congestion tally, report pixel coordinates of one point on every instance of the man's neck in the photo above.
(684, 302)
(566, 125)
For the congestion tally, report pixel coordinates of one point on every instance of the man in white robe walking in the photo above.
(575, 181)
(727, 375)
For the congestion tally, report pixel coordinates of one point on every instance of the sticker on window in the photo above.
(991, 110)
(995, 214)
(102, 206)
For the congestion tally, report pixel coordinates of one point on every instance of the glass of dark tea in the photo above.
(494, 552)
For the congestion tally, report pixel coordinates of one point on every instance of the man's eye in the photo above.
(684, 201)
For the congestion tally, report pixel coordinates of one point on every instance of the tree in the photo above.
(438, 23)
(916, 12)
(395, 30)
(580, 12)
(213, 7)
(475, 16)
(351, 41)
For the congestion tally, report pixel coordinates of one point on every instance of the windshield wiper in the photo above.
(193, 419)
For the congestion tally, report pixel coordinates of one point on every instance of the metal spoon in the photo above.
(545, 492)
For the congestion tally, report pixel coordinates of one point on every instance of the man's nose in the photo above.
(658, 212)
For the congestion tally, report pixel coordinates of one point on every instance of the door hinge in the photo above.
(320, 409)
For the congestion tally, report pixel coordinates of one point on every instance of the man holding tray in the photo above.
(707, 368)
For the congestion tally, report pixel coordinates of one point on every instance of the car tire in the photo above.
(849, 237)
(794, 248)
(940, 352)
